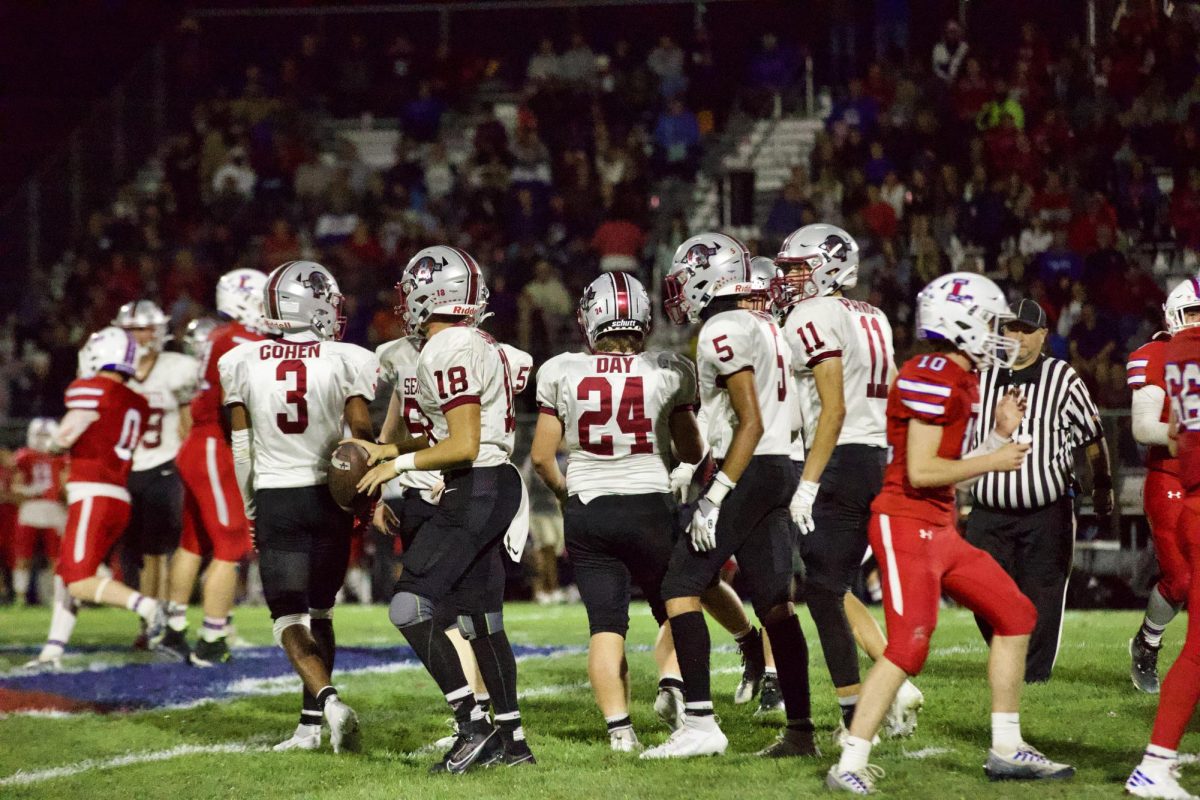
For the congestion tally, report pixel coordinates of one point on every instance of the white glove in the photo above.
(802, 504)
(703, 530)
(681, 480)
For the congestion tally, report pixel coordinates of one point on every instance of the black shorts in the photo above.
(833, 552)
(156, 511)
(754, 525)
(413, 512)
(612, 541)
(303, 547)
(457, 559)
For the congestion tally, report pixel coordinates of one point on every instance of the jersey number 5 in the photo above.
(631, 415)
(295, 419)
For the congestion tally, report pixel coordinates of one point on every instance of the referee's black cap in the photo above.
(1029, 313)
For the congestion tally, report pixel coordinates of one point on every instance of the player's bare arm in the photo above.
(458, 449)
(926, 469)
(685, 436)
(828, 378)
(743, 397)
(544, 454)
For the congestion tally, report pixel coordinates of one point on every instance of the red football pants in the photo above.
(1181, 688)
(214, 516)
(94, 524)
(917, 562)
(1162, 498)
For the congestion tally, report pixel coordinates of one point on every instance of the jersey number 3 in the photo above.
(295, 419)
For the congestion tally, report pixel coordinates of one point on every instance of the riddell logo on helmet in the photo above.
(462, 310)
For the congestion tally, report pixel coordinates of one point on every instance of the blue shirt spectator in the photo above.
(773, 67)
(857, 110)
(677, 131)
(421, 117)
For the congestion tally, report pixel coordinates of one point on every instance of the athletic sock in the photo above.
(62, 618)
(484, 701)
(310, 717)
(213, 629)
(670, 682)
(1159, 613)
(692, 647)
(510, 726)
(791, 660)
(1006, 732)
(856, 753)
(771, 672)
(144, 607)
(619, 722)
(498, 666)
(1157, 757)
(462, 702)
(20, 585)
(437, 653)
(325, 695)
(847, 705)
(177, 616)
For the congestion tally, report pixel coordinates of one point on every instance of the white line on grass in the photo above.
(927, 752)
(24, 778)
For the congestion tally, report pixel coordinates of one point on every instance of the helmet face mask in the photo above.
(440, 281)
(304, 296)
(1183, 302)
(968, 311)
(815, 260)
(704, 267)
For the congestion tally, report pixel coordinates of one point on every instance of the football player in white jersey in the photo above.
(289, 397)
(620, 409)
(744, 382)
(465, 389)
(168, 381)
(844, 365)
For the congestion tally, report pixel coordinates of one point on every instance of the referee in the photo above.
(1026, 519)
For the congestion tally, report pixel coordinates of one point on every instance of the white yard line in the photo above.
(927, 752)
(24, 778)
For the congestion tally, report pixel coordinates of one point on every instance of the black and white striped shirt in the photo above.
(1060, 417)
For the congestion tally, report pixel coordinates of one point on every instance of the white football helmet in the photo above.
(967, 310)
(109, 348)
(240, 297)
(144, 314)
(613, 303)
(195, 337)
(444, 281)
(303, 296)
(40, 434)
(1183, 298)
(703, 267)
(814, 260)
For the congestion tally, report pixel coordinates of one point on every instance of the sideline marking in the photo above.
(23, 778)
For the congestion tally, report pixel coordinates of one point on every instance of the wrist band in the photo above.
(405, 462)
(720, 487)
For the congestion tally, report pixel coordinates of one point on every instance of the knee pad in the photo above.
(476, 626)
(408, 609)
(909, 654)
(286, 621)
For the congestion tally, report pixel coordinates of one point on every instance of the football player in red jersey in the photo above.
(1158, 774)
(214, 519)
(104, 421)
(931, 408)
(1162, 494)
(38, 481)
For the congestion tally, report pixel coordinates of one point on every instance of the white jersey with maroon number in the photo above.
(172, 382)
(398, 366)
(295, 393)
(737, 340)
(461, 365)
(615, 411)
(859, 334)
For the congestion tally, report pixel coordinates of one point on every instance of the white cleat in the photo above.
(301, 740)
(901, 719)
(1025, 764)
(43, 663)
(691, 740)
(856, 781)
(343, 726)
(1157, 781)
(624, 741)
(669, 707)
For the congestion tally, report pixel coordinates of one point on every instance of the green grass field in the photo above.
(1089, 716)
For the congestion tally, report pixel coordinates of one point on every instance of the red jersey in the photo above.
(41, 473)
(1183, 390)
(206, 406)
(1145, 368)
(935, 390)
(104, 452)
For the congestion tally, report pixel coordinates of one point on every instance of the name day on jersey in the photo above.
(270, 350)
(614, 364)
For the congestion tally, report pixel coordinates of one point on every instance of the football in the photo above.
(347, 466)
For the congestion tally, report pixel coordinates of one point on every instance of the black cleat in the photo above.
(478, 745)
(792, 744)
(175, 643)
(772, 698)
(754, 666)
(209, 653)
(516, 753)
(1144, 667)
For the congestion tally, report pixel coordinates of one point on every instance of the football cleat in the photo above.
(209, 653)
(175, 643)
(1025, 764)
(691, 740)
(791, 744)
(771, 699)
(901, 719)
(156, 627)
(1157, 781)
(856, 781)
(301, 739)
(343, 726)
(43, 663)
(669, 707)
(1143, 668)
(753, 666)
(516, 753)
(624, 741)
(478, 744)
